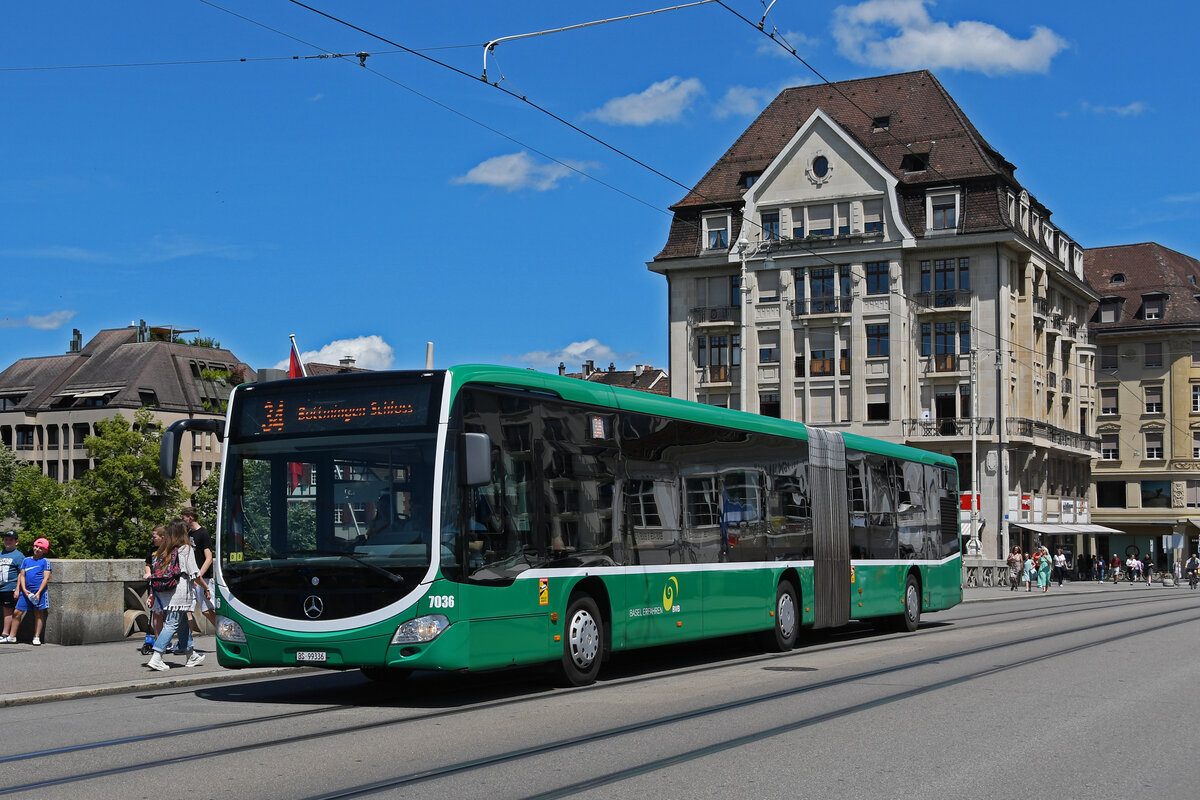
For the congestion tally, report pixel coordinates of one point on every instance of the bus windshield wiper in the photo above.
(391, 576)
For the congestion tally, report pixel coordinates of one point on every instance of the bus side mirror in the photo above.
(475, 459)
(168, 448)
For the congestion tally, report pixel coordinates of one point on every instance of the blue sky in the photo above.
(195, 164)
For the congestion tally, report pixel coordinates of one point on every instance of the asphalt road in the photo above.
(1068, 696)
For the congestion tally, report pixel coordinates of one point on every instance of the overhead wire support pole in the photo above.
(490, 46)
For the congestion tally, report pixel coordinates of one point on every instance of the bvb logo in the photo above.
(669, 593)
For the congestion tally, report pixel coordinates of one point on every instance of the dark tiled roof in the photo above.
(116, 362)
(1143, 269)
(651, 380)
(922, 118)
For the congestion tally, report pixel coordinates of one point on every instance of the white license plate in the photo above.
(310, 655)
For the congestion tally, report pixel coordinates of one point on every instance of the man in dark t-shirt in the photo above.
(202, 547)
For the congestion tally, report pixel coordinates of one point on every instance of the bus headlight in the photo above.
(421, 630)
(230, 631)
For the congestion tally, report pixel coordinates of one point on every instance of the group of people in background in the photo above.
(177, 571)
(1038, 566)
(23, 587)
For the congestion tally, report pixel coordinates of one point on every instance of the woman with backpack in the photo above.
(173, 573)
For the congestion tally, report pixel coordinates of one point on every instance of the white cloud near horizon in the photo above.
(518, 171)
(368, 352)
(1133, 109)
(573, 355)
(46, 322)
(749, 100)
(664, 101)
(900, 34)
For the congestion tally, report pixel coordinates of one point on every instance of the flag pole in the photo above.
(296, 355)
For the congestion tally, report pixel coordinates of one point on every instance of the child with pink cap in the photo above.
(35, 572)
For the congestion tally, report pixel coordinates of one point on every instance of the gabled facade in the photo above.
(861, 258)
(642, 378)
(49, 405)
(1146, 326)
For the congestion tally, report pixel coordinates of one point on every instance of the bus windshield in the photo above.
(348, 513)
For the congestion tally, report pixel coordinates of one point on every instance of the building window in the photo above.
(1110, 310)
(1154, 446)
(877, 341)
(768, 347)
(768, 404)
(872, 216)
(1156, 494)
(716, 232)
(768, 286)
(1193, 494)
(1153, 354)
(842, 212)
(1196, 444)
(820, 220)
(1154, 399)
(798, 222)
(770, 226)
(1196, 398)
(878, 281)
(1118, 279)
(1108, 400)
(748, 179)
(1110, 449)
(878, 407)
(1152, 308)
(1110, 494)
(943, 212)
(1196, 354)
(915, 162)
(1108, 356)
(881, 123)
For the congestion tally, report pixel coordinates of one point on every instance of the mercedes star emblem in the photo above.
(313, 606)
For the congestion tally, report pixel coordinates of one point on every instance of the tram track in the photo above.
(1137, 620)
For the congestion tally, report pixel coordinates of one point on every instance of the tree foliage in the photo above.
(205, 499)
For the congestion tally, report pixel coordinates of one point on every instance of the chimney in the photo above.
(638, 370)
(76, 341)
(612, 367)
(588, 368)
(347, 363)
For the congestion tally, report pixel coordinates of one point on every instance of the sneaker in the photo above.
(156, 662)
(195, 660)
(36, 641)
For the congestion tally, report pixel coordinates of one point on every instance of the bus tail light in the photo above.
(421, 630)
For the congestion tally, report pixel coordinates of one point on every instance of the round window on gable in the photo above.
(820, 166)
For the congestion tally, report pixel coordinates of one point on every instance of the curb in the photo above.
(74, 693)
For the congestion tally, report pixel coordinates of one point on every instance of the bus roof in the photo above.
(598, 394)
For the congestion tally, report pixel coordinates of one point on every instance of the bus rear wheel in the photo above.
(910, 620)
(583, 642)
(786, 630)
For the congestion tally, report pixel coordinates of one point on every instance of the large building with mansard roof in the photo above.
(862, 259)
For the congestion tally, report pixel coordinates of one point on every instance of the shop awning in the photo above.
(1063, 528)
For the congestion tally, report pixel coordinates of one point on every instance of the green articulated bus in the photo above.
(481, 517)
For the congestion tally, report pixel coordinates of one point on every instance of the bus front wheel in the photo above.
(583, 642)
(783, 635)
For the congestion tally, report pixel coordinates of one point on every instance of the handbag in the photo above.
(165, 576)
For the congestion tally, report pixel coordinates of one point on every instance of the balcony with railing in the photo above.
(1052, 380)
(1032, 429)
(821, 305)
(946, 362)
(948, 426)
(1068, 386)
(707, 315)
(1041, 305)
(715, 373)
(926, 302)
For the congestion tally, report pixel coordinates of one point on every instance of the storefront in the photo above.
(1080, 542)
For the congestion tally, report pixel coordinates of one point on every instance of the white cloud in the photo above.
(368, 352)
(665, 101)
(794, 39)
(518, 171)
(1134, 109)
(899, 34)
(747, 100)
(573, 355)
(47, 322)
(1191, 197)
(160, 249)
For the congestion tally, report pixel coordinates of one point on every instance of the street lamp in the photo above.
(742, 246)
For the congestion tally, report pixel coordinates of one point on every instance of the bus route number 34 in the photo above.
(441, 601)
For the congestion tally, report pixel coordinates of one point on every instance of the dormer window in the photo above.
(1110, 309)
(1152, 306)
(716, 232)
(881, 123)
(915, 162)
(941, 210)
(1118, 279)
(748, 179)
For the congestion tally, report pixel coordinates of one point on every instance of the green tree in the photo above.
(119, 500)
(205, 500)
(9, 464)
(44, 507)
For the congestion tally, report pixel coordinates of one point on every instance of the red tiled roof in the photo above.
(1143, 269)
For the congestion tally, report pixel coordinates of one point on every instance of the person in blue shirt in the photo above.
(10, 566)
(31, 589)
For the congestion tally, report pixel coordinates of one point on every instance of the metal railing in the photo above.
(948, 426)
(929, 301)
(821, 305)
(1028, 428)
(715, 314)
(1041, 305)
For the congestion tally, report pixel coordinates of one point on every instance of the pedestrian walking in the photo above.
(1148, 568)
(173, 576)
(1060, 566)
(157, 536)
(201, 540)
(1027, 570)
(1099, 567)
(1043, 570)
(31, 589)
(1114, 567)
(1014, 568)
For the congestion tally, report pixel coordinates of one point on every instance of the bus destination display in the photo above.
(286, 412)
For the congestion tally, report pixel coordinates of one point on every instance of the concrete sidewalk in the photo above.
(31, 674)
